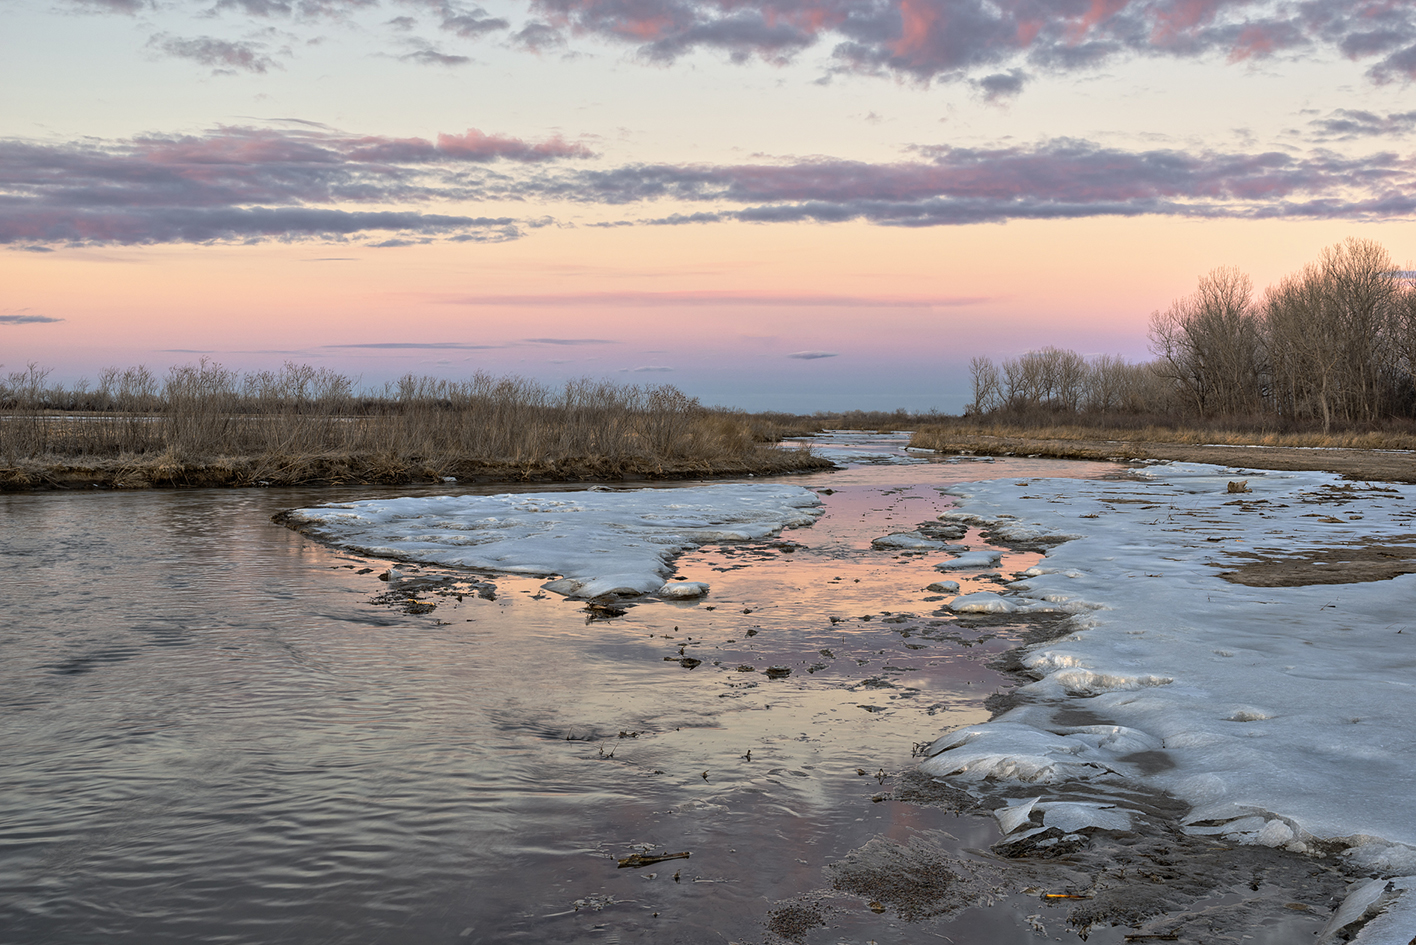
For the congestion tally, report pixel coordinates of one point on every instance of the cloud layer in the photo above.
(1057, 179)
(253, 184)
(995, 44)
(262, 184)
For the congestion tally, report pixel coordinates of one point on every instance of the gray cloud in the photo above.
(426, 54)
(538, 37)
(23, 319)
(223, 56)
(1346, 124)
(254, 184)
(570, 341)
(1058, 179)
(303, 9)
(258, 184)
(147, 225)
(471, 23)
(812, 355)
(1002, 85)
(418, 345)
(988, 43)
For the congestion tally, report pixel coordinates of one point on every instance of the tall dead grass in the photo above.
(205, 424)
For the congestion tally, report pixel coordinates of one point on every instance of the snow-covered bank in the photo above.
(1286, 715)
(599, 542)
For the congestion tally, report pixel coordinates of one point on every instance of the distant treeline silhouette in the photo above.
(1332, 344)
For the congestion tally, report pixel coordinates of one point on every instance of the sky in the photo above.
(794, 205)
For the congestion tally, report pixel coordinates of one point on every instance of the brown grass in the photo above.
(1397, 436)
(1371, 454)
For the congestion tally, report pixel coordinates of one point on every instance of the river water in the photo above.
(212, 731)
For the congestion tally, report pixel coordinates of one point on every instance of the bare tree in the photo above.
(1334, 336)
(1361, 292)
(1069, 378)
(1208, 344)
(1303, 348)
(987, 386)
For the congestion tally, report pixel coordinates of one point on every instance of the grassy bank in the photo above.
(206, 426)
(1359, 454)
(945, 436)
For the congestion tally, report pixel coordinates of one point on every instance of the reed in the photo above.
(206, 425)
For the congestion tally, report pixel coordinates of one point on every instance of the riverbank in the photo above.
(1366, 464)
(168, 471)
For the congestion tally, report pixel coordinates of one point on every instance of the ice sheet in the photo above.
(600, 542)
(1284, 715)
(856, 447)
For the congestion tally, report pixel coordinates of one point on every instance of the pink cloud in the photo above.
(243, 183)
(691, 298)
(473, 145)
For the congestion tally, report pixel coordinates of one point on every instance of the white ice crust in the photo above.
(1284, 715)
(600, 542)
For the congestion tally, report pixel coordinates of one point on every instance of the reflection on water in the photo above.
(210, 733)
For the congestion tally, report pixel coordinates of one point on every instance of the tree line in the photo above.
(1334, 343)
(199, 412)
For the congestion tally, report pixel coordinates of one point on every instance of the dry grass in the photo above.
(1358, 454)
(208, 426)
(772, 427)
(1397, 436)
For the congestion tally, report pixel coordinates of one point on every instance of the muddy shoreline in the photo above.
(164, 472)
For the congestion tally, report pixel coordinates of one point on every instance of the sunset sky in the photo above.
(794, 204)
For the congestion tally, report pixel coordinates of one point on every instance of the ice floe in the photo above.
(599, 542)
(913, 541)
(982, 602)
(1285, 715)
(1387, 906)
(683, 590)
(972, 561)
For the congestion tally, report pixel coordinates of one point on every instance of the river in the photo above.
(212, 730)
